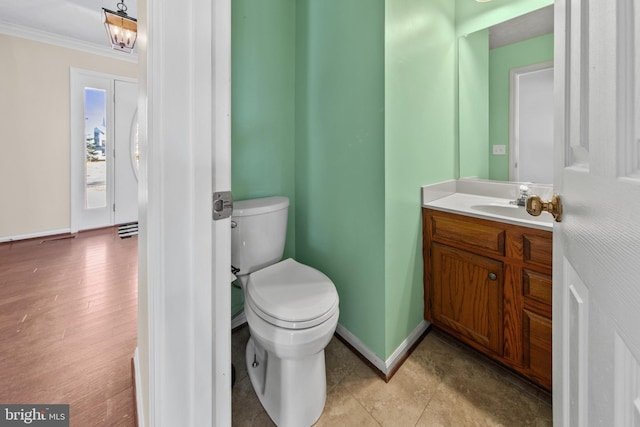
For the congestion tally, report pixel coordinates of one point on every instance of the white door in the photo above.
(126, 157)
(531, 139)
(91, 151)
(103, 122)
(184, 292)
(596, 296)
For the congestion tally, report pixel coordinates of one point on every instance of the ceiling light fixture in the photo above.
(121, 28)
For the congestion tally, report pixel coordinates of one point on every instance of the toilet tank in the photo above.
(258, 233)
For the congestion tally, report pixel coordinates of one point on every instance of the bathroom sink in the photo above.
(491, 208)
(510, 211)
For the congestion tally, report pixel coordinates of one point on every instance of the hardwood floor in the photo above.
(68, 325)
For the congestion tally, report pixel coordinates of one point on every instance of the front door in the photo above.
(126, 157)
(596, 301)
(103, 114)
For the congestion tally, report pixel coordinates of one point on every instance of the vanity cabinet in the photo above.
(488, 283)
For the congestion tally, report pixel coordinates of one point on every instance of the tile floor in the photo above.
(442, 383)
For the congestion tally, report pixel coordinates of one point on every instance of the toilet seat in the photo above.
(291, 295)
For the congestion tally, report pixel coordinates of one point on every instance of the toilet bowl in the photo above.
(285, 356)
(292, 311)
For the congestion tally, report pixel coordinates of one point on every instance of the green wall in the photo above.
(419, 149)
(473, 106)
(348, 107)
(375, 86)
(501, 61)
(263, 106)
(340, 155)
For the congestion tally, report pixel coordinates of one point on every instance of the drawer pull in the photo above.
(492, 276)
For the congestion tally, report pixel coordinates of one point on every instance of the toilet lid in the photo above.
(292, 295)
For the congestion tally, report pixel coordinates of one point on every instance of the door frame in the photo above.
(184, 284)
(514, 89)
(77, 79)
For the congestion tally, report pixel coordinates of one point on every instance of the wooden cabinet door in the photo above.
(467, 295)
(537, 347)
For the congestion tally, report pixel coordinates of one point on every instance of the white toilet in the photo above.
(292, 312)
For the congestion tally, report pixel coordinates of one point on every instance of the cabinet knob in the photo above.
(492, 276)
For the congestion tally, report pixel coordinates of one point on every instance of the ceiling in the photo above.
(533, 24)
(80, 20)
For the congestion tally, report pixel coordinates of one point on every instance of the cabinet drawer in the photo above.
(470, 233)
(536, 286)
(537, 249)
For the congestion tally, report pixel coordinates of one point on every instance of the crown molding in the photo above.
(62, 41)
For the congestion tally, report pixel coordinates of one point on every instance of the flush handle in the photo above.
(535, 206)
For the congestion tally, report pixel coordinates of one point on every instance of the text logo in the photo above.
(34, 415)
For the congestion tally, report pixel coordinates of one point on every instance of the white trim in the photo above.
(383, 366)
(404, 347)
(346, 335)
(138, 384)
(66, 42)
(185, 155)
(216, 69)
(34, 235)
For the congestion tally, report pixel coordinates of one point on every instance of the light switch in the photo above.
(499, 150)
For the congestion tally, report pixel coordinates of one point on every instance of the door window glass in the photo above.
(95, 119)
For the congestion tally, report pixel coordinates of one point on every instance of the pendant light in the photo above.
(121, 28)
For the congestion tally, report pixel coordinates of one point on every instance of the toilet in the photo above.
(292, 312)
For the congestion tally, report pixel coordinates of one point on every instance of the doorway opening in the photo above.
(104, 156)
(531, 127)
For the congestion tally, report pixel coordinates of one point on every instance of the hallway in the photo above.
(68, 325)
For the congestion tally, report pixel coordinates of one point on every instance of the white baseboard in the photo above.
(361, 348)
(384, 366)
(138, 384)
(238, 320)
(4, 239)
(404, 347)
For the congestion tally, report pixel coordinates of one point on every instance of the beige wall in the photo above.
(35, 132)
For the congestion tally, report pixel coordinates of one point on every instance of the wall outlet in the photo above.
(499, 150)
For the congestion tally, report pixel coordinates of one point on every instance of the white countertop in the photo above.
(491, 208)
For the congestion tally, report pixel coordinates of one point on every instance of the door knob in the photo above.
(535, 206)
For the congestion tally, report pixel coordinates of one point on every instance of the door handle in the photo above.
(535, 206)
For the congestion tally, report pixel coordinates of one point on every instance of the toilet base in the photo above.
(292, 391)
